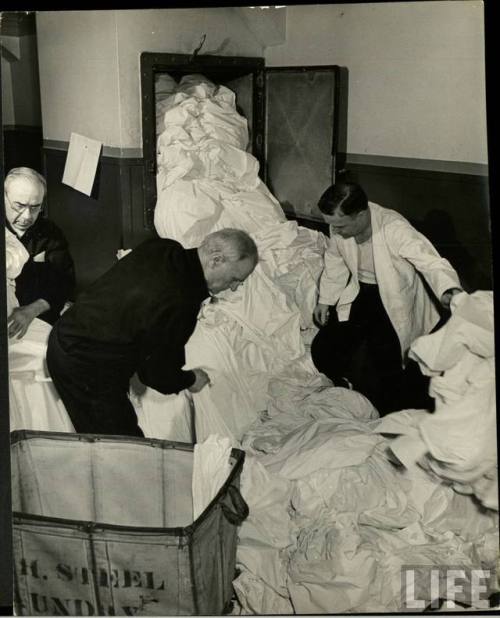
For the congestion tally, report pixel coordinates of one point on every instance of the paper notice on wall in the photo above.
(81, 163)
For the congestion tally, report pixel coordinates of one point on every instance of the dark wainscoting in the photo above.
(451, 209)
(97, 226)
(22, 147)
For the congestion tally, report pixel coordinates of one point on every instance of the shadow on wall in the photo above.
(439, 228)
(23, 148)
(472, 260)
(450, 209)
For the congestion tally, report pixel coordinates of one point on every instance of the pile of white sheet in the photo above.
(207, 181)
(458, 442)
(333, 518)
(16, 257)
(333, 515)
(33, 400)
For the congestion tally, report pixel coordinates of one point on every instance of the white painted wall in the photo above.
(89, 63)
(416, 73)
(175, 31)
(79, 74)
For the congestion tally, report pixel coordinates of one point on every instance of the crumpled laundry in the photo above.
(458, 441)
(16, 257)
(207, 181)
(33, 400)
(211, 468)
(358, 516)
(338, 504)
(334, 515)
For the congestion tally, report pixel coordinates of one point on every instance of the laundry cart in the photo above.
(104, 525)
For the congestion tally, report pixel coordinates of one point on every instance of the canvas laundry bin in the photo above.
(103, 525)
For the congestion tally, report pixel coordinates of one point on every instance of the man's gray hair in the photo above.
(235, 244)
(28, 174)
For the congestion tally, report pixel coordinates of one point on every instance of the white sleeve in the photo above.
(420, 252)
(335, 275)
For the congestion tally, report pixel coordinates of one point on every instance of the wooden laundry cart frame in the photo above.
(226, 70)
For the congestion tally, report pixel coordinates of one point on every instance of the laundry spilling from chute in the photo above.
(339, 500)
(207, 181)
(332, 517)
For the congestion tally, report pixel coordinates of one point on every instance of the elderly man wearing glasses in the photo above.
(47, 279)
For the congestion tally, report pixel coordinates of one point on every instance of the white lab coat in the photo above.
(399, 254)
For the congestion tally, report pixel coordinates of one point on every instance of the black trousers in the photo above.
(366, 351)
(93, 384)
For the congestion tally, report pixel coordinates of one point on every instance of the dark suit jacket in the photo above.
(51, 276)
(137, 317)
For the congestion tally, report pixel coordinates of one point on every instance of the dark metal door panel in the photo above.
(250, 103)
(304, 135)
(243, 89)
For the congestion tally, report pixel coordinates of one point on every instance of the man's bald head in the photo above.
(228, 257)
(24, 191)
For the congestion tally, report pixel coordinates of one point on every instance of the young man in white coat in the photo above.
(373, 302)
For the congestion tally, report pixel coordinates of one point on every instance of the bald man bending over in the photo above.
(47, 279)
(137, 318)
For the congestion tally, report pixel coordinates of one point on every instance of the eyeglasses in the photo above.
(22, 208)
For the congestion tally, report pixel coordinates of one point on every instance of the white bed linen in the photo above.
(458, 441)
(33, 399)
(332, 517)
(347, 517)
(206, 181)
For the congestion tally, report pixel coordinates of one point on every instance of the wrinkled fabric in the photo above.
(16, 257)
(189, 209)
(355, 514)
(211, 469)
(33, 400)
(207, 181)
(166, 417)
(458, 441)
(333, 513)
(263, 540)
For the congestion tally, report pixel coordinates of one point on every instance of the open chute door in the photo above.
(305, 136)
